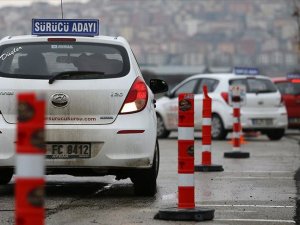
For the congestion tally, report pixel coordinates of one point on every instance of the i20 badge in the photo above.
(60, 100)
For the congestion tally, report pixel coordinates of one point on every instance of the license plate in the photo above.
(294, 120)
(68, 150)
(262, 122)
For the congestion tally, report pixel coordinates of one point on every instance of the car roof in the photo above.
(219, 76)
(34, 38)
(225, 76)
(279, 79)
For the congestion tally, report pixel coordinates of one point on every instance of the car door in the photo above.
(190, 86)
(290, 91)
(211, 85)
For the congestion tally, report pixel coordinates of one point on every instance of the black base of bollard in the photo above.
(237, 155)
(175, 214)
(208, 168)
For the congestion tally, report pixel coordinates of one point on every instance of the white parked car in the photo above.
(264, 110)
(96, 99)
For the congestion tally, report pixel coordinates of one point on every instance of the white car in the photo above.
(264, 110)
(97, 100)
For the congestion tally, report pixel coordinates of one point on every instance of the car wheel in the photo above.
(5, 176)
(275, 135)
(162, 132)
(145, 181)
(217, 128)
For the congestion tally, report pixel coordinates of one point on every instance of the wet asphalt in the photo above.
(260, 190)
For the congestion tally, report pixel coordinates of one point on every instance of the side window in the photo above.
(188, 87)
(282, 87)
(286, 88)
(237, 82)
(211, 85)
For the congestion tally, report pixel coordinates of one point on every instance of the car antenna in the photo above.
(62, 10)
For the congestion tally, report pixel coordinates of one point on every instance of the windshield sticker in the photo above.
(62, 46)
(10, 53)
(6, 93)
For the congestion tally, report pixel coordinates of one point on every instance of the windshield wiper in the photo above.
(72, 73)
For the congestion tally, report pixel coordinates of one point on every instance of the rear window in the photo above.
(255, 85)
(289, 88)
(44, 60)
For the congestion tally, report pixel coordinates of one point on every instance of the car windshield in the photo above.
(255, 85)
(44, 60)
(289, 88)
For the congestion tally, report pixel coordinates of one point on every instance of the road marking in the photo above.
(238, 211)
(256, 206)
(259, 178)
(286, 171)
(257, 220)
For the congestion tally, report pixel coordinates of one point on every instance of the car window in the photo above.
(289, 88)
(43, 60)
(188, 87)
(255, 85)
(210, 83)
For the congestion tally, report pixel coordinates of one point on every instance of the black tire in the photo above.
(162, 132)
(5, 176)
(218, 131)
(144, 181)
(275, 135)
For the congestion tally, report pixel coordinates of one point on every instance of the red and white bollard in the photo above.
(30, 161)
(241, 134)
(236, 140)
(236, 128)
(186, 188)
(242, 139)
(206, 165)
(186, 210)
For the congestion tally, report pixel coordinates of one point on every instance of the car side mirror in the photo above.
(158, 86)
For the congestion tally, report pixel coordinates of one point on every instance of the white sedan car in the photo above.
(264, 110)
(97, 101)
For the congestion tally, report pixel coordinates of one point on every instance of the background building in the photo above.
(190, 33)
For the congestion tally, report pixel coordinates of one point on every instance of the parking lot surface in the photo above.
(257, 190)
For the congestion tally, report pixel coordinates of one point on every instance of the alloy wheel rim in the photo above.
(160, 126)
(216, 126)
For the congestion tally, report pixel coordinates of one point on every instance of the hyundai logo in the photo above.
(60, 100)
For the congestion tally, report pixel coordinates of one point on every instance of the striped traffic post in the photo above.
(206, 165)
(236, 140)
(30, 161)
(186, 209)
(241, 136)
(186, 188)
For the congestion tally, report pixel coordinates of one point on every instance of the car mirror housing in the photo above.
(158, 86)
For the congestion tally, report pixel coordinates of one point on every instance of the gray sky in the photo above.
(28, 2)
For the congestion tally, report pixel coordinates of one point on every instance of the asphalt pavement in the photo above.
(260, 190)
(297, 214)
